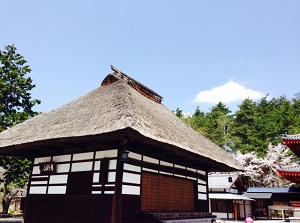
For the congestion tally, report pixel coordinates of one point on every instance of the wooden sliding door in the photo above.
(166, 193)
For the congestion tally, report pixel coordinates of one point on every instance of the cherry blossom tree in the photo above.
(263, 171)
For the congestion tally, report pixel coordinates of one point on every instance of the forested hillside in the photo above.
(253, 134)
(252, 127)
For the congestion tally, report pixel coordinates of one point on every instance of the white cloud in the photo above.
(227, 93)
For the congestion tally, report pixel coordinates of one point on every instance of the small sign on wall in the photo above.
(47, 167)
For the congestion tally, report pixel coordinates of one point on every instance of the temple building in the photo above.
(292, 173)
(118, 155)
(226, 196)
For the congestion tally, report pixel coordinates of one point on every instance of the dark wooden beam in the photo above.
(168, 169)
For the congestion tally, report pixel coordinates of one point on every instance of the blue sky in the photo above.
(193, 53)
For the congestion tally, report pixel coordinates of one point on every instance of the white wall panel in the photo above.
(96, 177)
(57, 189)
(150, 170)
(131, 178)
(62, 158)
(133, 190)
(201, 188)
(36, 170)
(111, 177)
(178, 166)
(39, 182)
(106, 153)
(83, 156)
(97, 165)
(202, 196)
(191, 169)
(84, 166)
(113, 164)
(201, 182)
(38, 190)
(132, 168)
(150, 160)
(58, 179)
(42, 160)
(163, 163)
(63, 168)
(135, 156)
(201, 172)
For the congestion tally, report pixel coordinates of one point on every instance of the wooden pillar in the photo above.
(27, 202)
(116, 212)
(235, 211)
(207, 193)
(227, 207)
(244, 202)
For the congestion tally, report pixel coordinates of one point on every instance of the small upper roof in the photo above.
(225, 181)
(229, 196)
(273, 190)
(105, 116)
(293, 142)
(291, 137)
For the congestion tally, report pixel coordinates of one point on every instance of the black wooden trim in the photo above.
(79, 161)
(132, 172)
(131, 184)
(103, 189)
(46, 178)
(172, 170)
(48, 185)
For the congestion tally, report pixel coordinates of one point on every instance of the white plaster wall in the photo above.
(37, 190)
(131, 178)
(150, 160)
(106, 153)
(83, 166)
(202, 196)
(83, 156)
(132, 190)
(57, 189)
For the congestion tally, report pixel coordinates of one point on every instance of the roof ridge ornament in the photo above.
(119, 75)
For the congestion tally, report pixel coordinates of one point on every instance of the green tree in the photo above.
(198, 121)
(243, 126)
(294, 128)
(178, 113)
(16, 106)
(219, 124)
(272, 118)
(252, 127)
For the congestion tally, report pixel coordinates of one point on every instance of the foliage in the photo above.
(15, 97)
(218, 124)
(198, 121)
(16, 171)
(15, 107)
(252, 127)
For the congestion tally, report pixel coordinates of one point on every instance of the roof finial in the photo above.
(115, 69)
(117, 75)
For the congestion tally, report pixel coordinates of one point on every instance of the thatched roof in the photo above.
(105, 116)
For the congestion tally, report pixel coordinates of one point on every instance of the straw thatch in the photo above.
(109, 113)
